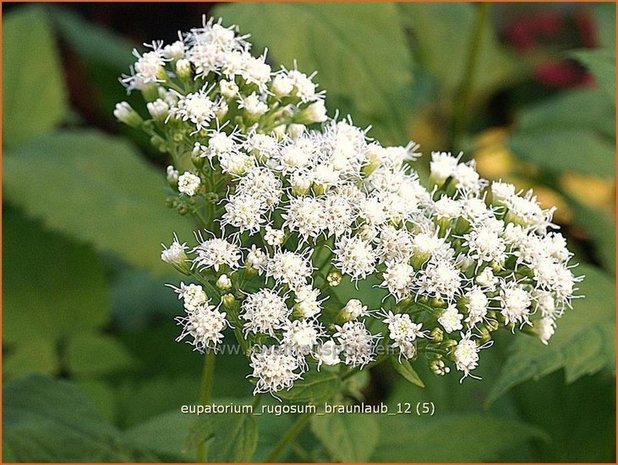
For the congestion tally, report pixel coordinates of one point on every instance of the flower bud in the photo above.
(127, 115)
(158, 109)
(352, 310)
(183, 69)
(224, 282)
(229, 301)
(172, 177)
(437, 334)
(333, 279)
(314, 113)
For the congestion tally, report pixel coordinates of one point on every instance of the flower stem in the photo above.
(460, 120)
(205, 390)
(291, 434)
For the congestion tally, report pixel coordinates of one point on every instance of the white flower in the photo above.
(447, 208)
(257, 72)
(205, 326)
(214, 253)
(354, 309)
(220, 143)
(127, 115)
(328, 354)
(305, 215)
(289, 268)
(545, 328)
(355, 257)
(188, 183)
(264, 312)
(487, 279)
(236, 163)
(158, 109)
(262, 184)
(440, 278)
(476, 302)
(256, 259)
(315, 113)
(403, 332)
(450, 319)
(515, 302)
(193, 296)
(228, 89)
(224, 282)
(301, 336)
(174, 51)
(466, 354)
(274, 237)
(274, 368)
(398, 279)
(338, 213)
(244, 212)
(394, 244)
(253, 106)
(467, 179)
(282, 85)
(307, 303)
(357, 343)
(501, 192)
(303, 85)
(486, 245)
(175, 254)
(442, 166)
(196, 108)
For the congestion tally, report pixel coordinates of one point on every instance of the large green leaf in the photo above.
(601, 227)
(404, 368)
(449, 438)
(34, 99)
(96, 188)
(359, 51)
(51, 421)
(91, 355)
(315, 387)
(33, 356)
(230, 437)
(347, 437)
(53, 287)
(442, 35)
(584, 342)
(163, 435)
(602, 64)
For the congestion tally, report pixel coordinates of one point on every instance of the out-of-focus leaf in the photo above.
(605, 18)
(449, 437)
(97, 189)
(584, 342)
(602, 229)
(163, 435)
(34, 356)
(230, 437)
(53, 287)
(407, 372)
(45, 420)
(602, 64)
(315, 387)
(96, 354)
(359, 51)
(347, 437)
(102, 395)
(34, 97)
(432, 24)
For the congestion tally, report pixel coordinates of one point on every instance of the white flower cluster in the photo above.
(297, 215)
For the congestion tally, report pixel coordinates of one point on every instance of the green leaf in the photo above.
(602, 64)
(605, 19)
(163, 435)
(431, 24)
(347, 437)
(45, 420)
(404, 368)
(601, 227)
(584, 342)
(53, 286)
(34, 94)
(449, 438)
(96, 354)
(34, 356)
(97, 189)
(231, 437)
(315, 387)
(359, 51)
(564, 149)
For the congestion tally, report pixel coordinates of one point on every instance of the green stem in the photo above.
(288, 437)
(460, 120)
(205, 391)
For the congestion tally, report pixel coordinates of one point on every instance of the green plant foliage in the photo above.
(407, 372)
(97, 189)
(362, 41)
(450, 437)
(90, 355)
(230, 437)
(314, 387)
(51, 421)
(42, 300)
(32, 84)
(602, 229)
(347, 437)
(446, 59)
(583, 344)
(602, 64)
(38, 356)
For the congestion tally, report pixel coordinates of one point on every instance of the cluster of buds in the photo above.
(296, 210)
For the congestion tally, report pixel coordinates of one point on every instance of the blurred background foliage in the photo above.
(91, 370)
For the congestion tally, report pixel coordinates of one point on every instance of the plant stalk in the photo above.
(460, 119)
(289, 437)
(208, 374)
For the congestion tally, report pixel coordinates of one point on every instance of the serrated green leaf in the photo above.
(584, 341)
(231, 437)
(347, 437)
(163, 435)
(53, 287)
(566, 149)
(602, 64)
(431, 24)
(45, 420)
(90, 355)
(449, 438)
(404, 368)
(95, 188)
(34, 95)
(315, 387)
(350, 46)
